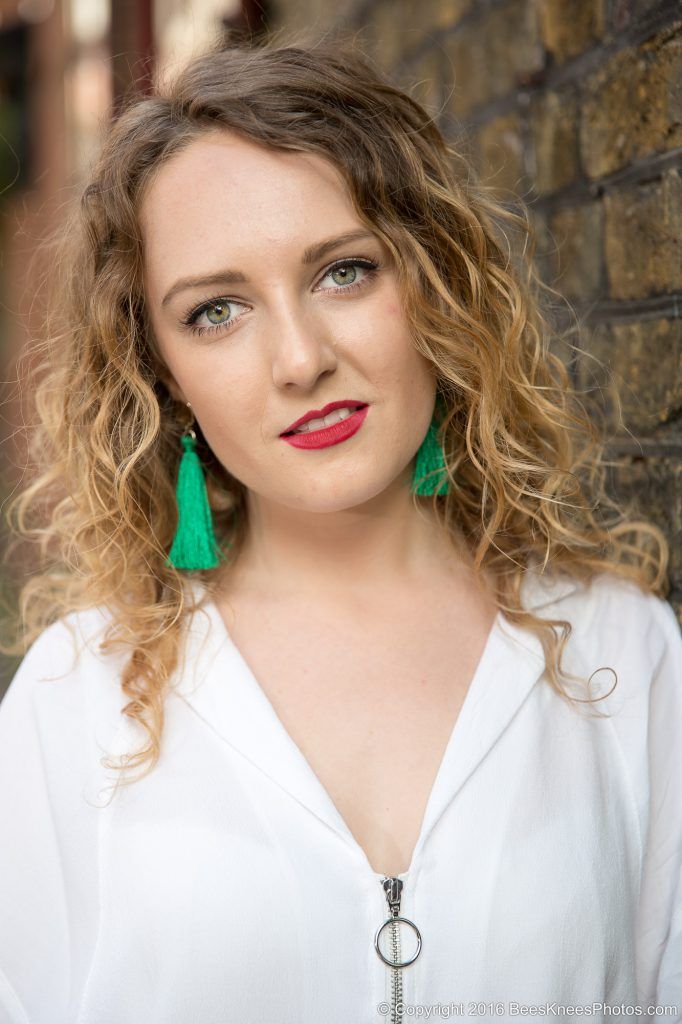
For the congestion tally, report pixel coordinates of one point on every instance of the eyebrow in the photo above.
(311, 255)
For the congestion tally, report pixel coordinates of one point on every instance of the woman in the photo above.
(371, 638)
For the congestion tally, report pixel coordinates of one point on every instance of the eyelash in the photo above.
(192, 315)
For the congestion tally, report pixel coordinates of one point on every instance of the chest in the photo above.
(370, 700)
(537, 855)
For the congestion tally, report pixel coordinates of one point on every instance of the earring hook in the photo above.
(188, 432)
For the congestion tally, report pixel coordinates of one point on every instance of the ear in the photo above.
(173, 388)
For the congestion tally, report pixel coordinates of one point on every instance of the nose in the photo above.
(302, 350)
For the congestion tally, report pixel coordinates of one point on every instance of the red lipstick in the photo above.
(327, 436)
(317, 414)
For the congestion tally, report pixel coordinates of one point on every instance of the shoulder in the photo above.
(625, 648)
(65, 651)
(620, 634)
(631, 625)
(609, 613)
(66, 692)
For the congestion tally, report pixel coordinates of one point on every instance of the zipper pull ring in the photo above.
(393, 888)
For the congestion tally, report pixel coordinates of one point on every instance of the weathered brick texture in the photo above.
(632, 105)
(484, 64)
(643, 237)
(554, 126)
(643, 366)
(568, 27)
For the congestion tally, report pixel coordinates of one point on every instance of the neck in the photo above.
(384, 543)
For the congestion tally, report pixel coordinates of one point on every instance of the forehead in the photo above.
(222, 181)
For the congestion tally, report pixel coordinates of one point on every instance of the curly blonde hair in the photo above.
(524, 458)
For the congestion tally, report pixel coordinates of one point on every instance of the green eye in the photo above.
(221, 310)
(348, 273)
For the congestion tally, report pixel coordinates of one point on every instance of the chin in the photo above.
(341, 500)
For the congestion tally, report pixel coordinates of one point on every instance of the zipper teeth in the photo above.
(396, 977)
(396, 980)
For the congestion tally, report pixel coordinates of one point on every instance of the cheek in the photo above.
(396, 359)
(229, 383)
(230, 406)
(236, 409)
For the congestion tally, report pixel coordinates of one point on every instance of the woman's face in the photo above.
(257, 328)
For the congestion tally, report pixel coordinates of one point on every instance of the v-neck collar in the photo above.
(217, 682)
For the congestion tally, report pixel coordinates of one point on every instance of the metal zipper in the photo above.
(393, 888)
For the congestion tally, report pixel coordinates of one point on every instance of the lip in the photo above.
(327, 436)
(316, 414)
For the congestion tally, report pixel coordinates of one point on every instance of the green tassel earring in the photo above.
(194, 544)
(429, 476)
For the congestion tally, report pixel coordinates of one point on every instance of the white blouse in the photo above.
(225, 886)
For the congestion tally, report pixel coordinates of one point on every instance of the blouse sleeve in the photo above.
(48, 851)
(661, 923)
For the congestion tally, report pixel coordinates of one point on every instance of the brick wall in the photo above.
(576, 107)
